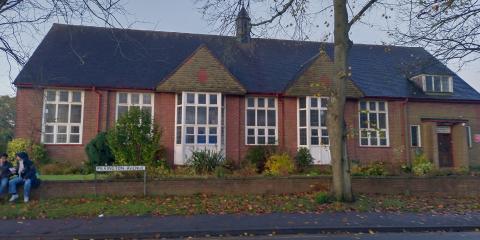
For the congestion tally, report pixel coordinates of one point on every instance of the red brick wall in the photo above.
(28, 123)
(234, 118)
(165, 108)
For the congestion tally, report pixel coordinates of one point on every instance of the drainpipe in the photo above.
(407, 132)
(99, 99)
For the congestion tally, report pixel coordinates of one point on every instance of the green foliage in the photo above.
(135, 139)
(205, 161)
(421, 165)
(372, 169)
(247, 169)
(279, 164)
(319, 171)
(7, 121)
(322, 198)
(303, 159)
(258, 156)
(36, 152)
(60, 169)
(98, 152)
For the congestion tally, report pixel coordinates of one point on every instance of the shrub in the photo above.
(372, 169)
(303, 159)
(279, 164)
(319, 170)
(421, 165)
(59, 169)
(322, 198)
(135, 139)
(98, 152)
(247, 169)
(258, 156)
(35, 151)
(205, 161)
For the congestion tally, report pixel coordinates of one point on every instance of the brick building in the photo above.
(232, 92)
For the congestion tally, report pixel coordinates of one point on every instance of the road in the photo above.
(376, 236)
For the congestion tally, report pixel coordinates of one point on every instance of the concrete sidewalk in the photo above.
(234, 225)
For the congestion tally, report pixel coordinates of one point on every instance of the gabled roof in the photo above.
(82, 56)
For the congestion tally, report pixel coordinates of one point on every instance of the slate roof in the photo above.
(83, 56)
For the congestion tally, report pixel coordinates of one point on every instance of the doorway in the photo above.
(444, 139)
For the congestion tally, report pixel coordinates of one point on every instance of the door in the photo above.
(445, 150)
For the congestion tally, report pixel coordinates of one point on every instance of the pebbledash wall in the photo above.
(100, 106)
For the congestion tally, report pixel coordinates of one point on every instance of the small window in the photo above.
(435, 83)
(415, 136)
(373, 122)
(469, 136)
(125, 101)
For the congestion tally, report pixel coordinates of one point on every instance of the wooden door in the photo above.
(445, 158)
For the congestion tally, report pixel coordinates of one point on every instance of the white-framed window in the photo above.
(312, 121)
(62, 116)
(435, 83)
(261, 120)
(469, 135)
(126, 100)
(373, 122)
(415, 136)
(199, 118)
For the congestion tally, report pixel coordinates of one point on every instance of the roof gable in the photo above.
(201, 72)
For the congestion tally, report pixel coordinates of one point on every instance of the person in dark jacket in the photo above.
(26, 176)
(5, 173)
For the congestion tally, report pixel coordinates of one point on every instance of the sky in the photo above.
(184, 16)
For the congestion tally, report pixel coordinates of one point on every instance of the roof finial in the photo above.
(243, 25)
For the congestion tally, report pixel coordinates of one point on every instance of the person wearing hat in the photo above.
(26, 176)
(5, 172)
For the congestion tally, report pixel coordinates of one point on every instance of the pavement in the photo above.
(152, 227)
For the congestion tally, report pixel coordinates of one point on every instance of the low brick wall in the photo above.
(454, 186)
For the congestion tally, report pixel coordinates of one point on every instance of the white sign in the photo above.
(119, 168)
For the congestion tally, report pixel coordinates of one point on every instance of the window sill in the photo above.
(363, 146)
(63, 144)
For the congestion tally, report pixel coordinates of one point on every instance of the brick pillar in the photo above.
(429, 141)
(459, 146)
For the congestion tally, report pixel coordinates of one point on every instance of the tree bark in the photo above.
(342, 187)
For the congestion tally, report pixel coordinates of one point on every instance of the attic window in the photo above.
(434, 83)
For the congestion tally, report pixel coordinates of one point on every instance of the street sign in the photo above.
(119, 168)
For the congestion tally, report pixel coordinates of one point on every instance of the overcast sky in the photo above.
(184, 16)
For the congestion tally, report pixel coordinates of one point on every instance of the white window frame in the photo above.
(68, 125)
(256, 127)
(442, 77)
(469, 136)
(220, 134)
(308, 127)
(370, 130)
(140, 104)
(419, 136)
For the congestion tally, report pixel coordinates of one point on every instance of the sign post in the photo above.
(122, 169)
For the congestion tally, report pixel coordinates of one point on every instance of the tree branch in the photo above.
(362, 11)
(278, 14)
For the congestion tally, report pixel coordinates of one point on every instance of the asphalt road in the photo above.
(375, 236)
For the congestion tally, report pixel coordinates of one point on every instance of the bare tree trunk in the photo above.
(342, 187)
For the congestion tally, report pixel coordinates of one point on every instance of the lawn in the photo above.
(90, 206)
(72, 177)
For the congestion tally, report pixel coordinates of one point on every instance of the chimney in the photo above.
(243, 26)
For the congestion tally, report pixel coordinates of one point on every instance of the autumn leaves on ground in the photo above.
(246, 204)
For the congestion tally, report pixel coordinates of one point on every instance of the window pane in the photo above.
(62, 129)
(50, 113)
(75, 129)
(414, 135)
(271, 132)
(302, 102)
(324, 102)
(251, 132)
(261, 140)
(303, 136)
(201, 139)
(250, 102)
(429, 83)
(323, 118)
(48, 129)
(372, 106)
(303, 118)
(202, 99)
(213, 115)
(62, 116)
(48, 138)
(250, 140)
(51, 96)
(363, 120)
(179, 115)
(190, 115)
(381, 106)
(135, 98)
(212, 130)
(261, 118)
(271, 118)
(382, 120)
(77, 97)
(324, 133)
(212, 139)
(271, 102)
(445, 84)
(314, 140)
(190, 139)
(179, 99)
(201, 115)
(75, 113)
(63, 96)
(213, 99)
(383, 142)
(271, 140)
(261, 132)
(314, 121)
(74, 138)
(148, 110)
(122, 110)
(261, 102)
(363, 105)
(325, 141)
(250, 117)
(123, 98)
(313, 102)
(201, 130)
(190, 130)
(372, 117)
(314, 132)
(179, 135)
(364, 141)
(190, 98)
(437, 84)
(147, 99)
(373, 138)
(61, 138)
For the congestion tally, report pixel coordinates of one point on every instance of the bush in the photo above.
(135, 139)
(373, 169)
(258, 156)
(98, 152)
(421, 165)
(279, 164)
(322, 198)
(319, 171)
(303, 159)
(247, 169)
(36, 152)
(60, 169)
(205, 161)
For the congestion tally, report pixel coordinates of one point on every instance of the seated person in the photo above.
(26, 176)
(5, 173)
